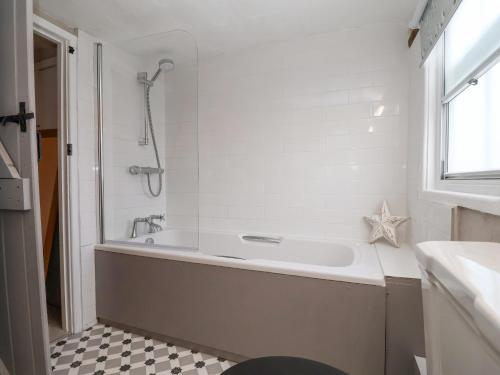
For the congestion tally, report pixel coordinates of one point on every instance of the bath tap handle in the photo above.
(160, 217)
(153, 227)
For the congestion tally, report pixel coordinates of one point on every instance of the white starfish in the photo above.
(384, 226)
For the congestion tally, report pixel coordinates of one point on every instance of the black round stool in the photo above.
(282, 366)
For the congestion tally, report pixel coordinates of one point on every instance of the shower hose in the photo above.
(151, 129)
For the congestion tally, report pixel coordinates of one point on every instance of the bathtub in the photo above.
(242, 296)
(349, 261)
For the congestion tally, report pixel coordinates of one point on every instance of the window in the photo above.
(471, 101)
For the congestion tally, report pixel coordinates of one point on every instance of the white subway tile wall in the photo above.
(305, 137)
(300, 138)
(181, 115)
(429, 220)
(126, 196)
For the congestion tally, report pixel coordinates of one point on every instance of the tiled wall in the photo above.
(305, 137)
(300, 138)
(181, 114)
(429, 220)
(127, 196)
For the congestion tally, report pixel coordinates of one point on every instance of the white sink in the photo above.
(470, 272)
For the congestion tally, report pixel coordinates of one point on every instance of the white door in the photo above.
(24, 348)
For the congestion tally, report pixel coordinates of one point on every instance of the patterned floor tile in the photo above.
(103, 349)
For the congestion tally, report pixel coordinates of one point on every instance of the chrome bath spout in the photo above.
(134, 227)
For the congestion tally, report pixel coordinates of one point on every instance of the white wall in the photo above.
(430, 220)
(307, 136)
(181, 114)
(300, 138)
(127, 196)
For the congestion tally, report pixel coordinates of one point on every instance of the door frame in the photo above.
(69, 231)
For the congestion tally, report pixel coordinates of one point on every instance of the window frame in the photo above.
(472, 79)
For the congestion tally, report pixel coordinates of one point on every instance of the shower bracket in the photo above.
(142, 77)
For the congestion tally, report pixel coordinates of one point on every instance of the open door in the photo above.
(23, 324)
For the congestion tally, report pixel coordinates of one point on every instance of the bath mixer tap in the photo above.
(149, 220)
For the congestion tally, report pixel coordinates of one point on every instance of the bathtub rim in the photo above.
(366, 268)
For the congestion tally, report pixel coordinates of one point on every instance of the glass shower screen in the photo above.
(149, 127)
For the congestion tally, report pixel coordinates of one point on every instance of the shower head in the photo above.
(166, 64)
(163, 64)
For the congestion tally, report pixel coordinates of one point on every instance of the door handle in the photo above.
(20, 118)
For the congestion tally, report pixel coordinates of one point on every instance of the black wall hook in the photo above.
(20, 118)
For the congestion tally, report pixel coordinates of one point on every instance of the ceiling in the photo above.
(222, 25)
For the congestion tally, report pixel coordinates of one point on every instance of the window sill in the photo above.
(485, 203)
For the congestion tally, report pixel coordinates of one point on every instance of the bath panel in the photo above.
(246, 312)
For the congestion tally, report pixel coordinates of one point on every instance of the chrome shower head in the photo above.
(166, 64)
(163, 64)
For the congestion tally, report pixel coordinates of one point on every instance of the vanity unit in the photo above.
(461, 297)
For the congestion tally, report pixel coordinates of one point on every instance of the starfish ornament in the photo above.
(384, 226)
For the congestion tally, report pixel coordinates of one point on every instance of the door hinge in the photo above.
(71, 49)
(69, 149)
(20, 118)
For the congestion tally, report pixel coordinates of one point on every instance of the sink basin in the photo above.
(470, 272)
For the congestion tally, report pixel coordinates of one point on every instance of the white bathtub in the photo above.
(348, 261)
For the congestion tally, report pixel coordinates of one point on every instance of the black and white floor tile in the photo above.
(103, 349)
